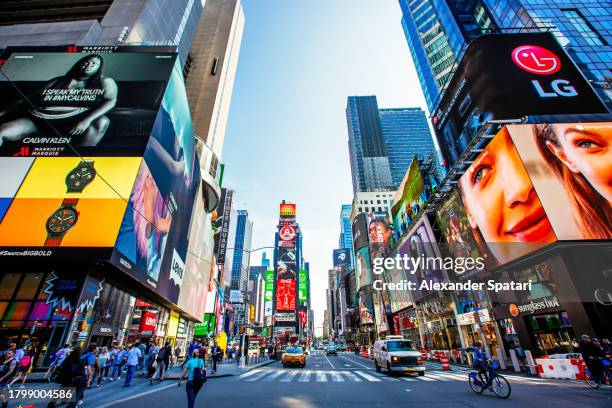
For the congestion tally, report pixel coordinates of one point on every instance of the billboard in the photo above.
(366, 308)
(342, 258)
(59, 103)
(286, 264)
(408, 199)
(570, 166)
(287, 211)
(269, 293)
(51, 203)
(360, 232)
(223, 222)
(287, 235)
(545, 81)
(363, 267)
(285, 294)
(154, 236)
(303, 285)
(380, 233)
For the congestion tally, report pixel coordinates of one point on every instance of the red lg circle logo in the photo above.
(287, 233)
(536, 60)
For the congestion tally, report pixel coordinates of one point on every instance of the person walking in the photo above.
(58, 359)
(119, 360)
(151, 360)
(195, 370)
(162, 360)
(104, 361)
(24, 368)
(217, 354)
(590, 354)
(88, 362)
(70, 374)
(133, 356)
(8, 368)
(177, 355)
(19, 353)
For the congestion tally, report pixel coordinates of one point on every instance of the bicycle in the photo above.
(606, 376)
(496, 382)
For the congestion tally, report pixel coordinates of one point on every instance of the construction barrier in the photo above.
(365, 353)
(557, 368)
(445, 363)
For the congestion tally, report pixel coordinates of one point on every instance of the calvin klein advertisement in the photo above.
(59, 103)
(154, 237)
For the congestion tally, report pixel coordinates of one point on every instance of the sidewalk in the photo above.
(224, 369)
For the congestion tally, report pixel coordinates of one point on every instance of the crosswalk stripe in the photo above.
(273, 376)
(321, 377)
(407, 379)
(352, 376)
(388, 378)
(249, 373)
(336, 377)
(437, 376)
(305, 376)
(257, 376)
(453, 376)
(367, 376)
(289, 376)
(424, 378)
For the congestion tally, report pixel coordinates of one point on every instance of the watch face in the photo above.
(80, 176)
(62, 220)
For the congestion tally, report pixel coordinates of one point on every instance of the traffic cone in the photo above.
(445, 364)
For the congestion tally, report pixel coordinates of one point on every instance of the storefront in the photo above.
(408, 325)
(438, 326)
(477, 327)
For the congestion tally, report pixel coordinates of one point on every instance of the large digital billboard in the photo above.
(303, 285)
(269, 293)
(285, 294)
(545, 81)
(379, 234)
(570, 166)
(363, 267)
(153, 241)
(360, 231)
(341, 258)
(58, 103)
(408, 199)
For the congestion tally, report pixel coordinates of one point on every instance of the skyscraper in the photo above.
(369, 162)
(438, 31)
(242, 248)
(406, 132)
(346, 234)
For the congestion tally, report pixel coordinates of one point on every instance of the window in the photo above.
(360, 210)
(8, 284)
(385, 201)
(30, 284)
(586, 30)
(367, 209)
(377, 201)
(379, 209)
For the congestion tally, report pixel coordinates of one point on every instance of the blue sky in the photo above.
(287, 136)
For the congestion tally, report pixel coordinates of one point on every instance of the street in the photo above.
(347, 380)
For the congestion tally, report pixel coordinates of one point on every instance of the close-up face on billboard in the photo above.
(99, 104)
(501, 203)
(380, 234)
(570, 165)
(153, 238)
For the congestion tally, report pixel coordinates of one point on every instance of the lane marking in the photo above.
(321, 377)
(352, 376)
(142, 394)
(424, 378)
(365, 366)
(407, 379)
(259, 376)
(273, 376)
(305, 377)
(336, 377)
(368, 376)
(248, 374)
(332, 366)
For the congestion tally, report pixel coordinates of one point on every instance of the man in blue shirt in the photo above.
(133, 356)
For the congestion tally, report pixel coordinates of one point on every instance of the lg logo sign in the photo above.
(540, 61)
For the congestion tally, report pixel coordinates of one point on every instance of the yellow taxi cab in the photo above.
(294, 356)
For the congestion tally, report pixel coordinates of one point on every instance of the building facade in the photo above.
(438, 31)
(242, 247)
(345, 240)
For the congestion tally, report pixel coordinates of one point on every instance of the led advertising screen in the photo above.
(58, 103)
(287, 235)
(570, 166)
(545, 81)
(286, 264)
(269, 293)
(285, 294)
(380, 234)
(363, 267)
(341, 258)
(153, 240)
(408, 199)
(366, 309)
(303, 285)
(51, 205)
(360, 232)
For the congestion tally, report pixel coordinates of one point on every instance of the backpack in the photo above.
(161, 356)
(25, 361)
(199, 375)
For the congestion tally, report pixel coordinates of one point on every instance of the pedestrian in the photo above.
(195, 370)
(143, 352)
(133, 357)
(88, 362)
(590, 352)
(70, 374)
(19, 353)
(8, 368)
(119, 359)
(217, 354)
(177, 355)
(151, 360)
(58, 359)
(24, 367)
(104, 361)
(162, 360)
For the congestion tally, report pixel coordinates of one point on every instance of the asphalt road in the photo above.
(347, 381)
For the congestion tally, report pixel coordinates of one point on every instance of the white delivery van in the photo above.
(396, 354)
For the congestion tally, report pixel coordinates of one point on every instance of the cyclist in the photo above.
(591, 355)
(480, 362)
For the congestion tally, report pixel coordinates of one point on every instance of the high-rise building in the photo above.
(264, 260)
(110, 22)
(346, 234)
(242, 248)
(406, 132)
(367, 150)
(438, 31)
(214, 59)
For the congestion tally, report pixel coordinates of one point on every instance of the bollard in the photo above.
(530, 363)
(501, 358)
(515, 363)
(462, 357)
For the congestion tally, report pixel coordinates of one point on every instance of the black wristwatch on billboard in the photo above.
(61, 221)
(81, 176)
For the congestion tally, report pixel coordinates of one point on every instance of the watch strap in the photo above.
(53, 241)
(70, 202)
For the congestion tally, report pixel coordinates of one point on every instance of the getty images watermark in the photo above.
(455, 265)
